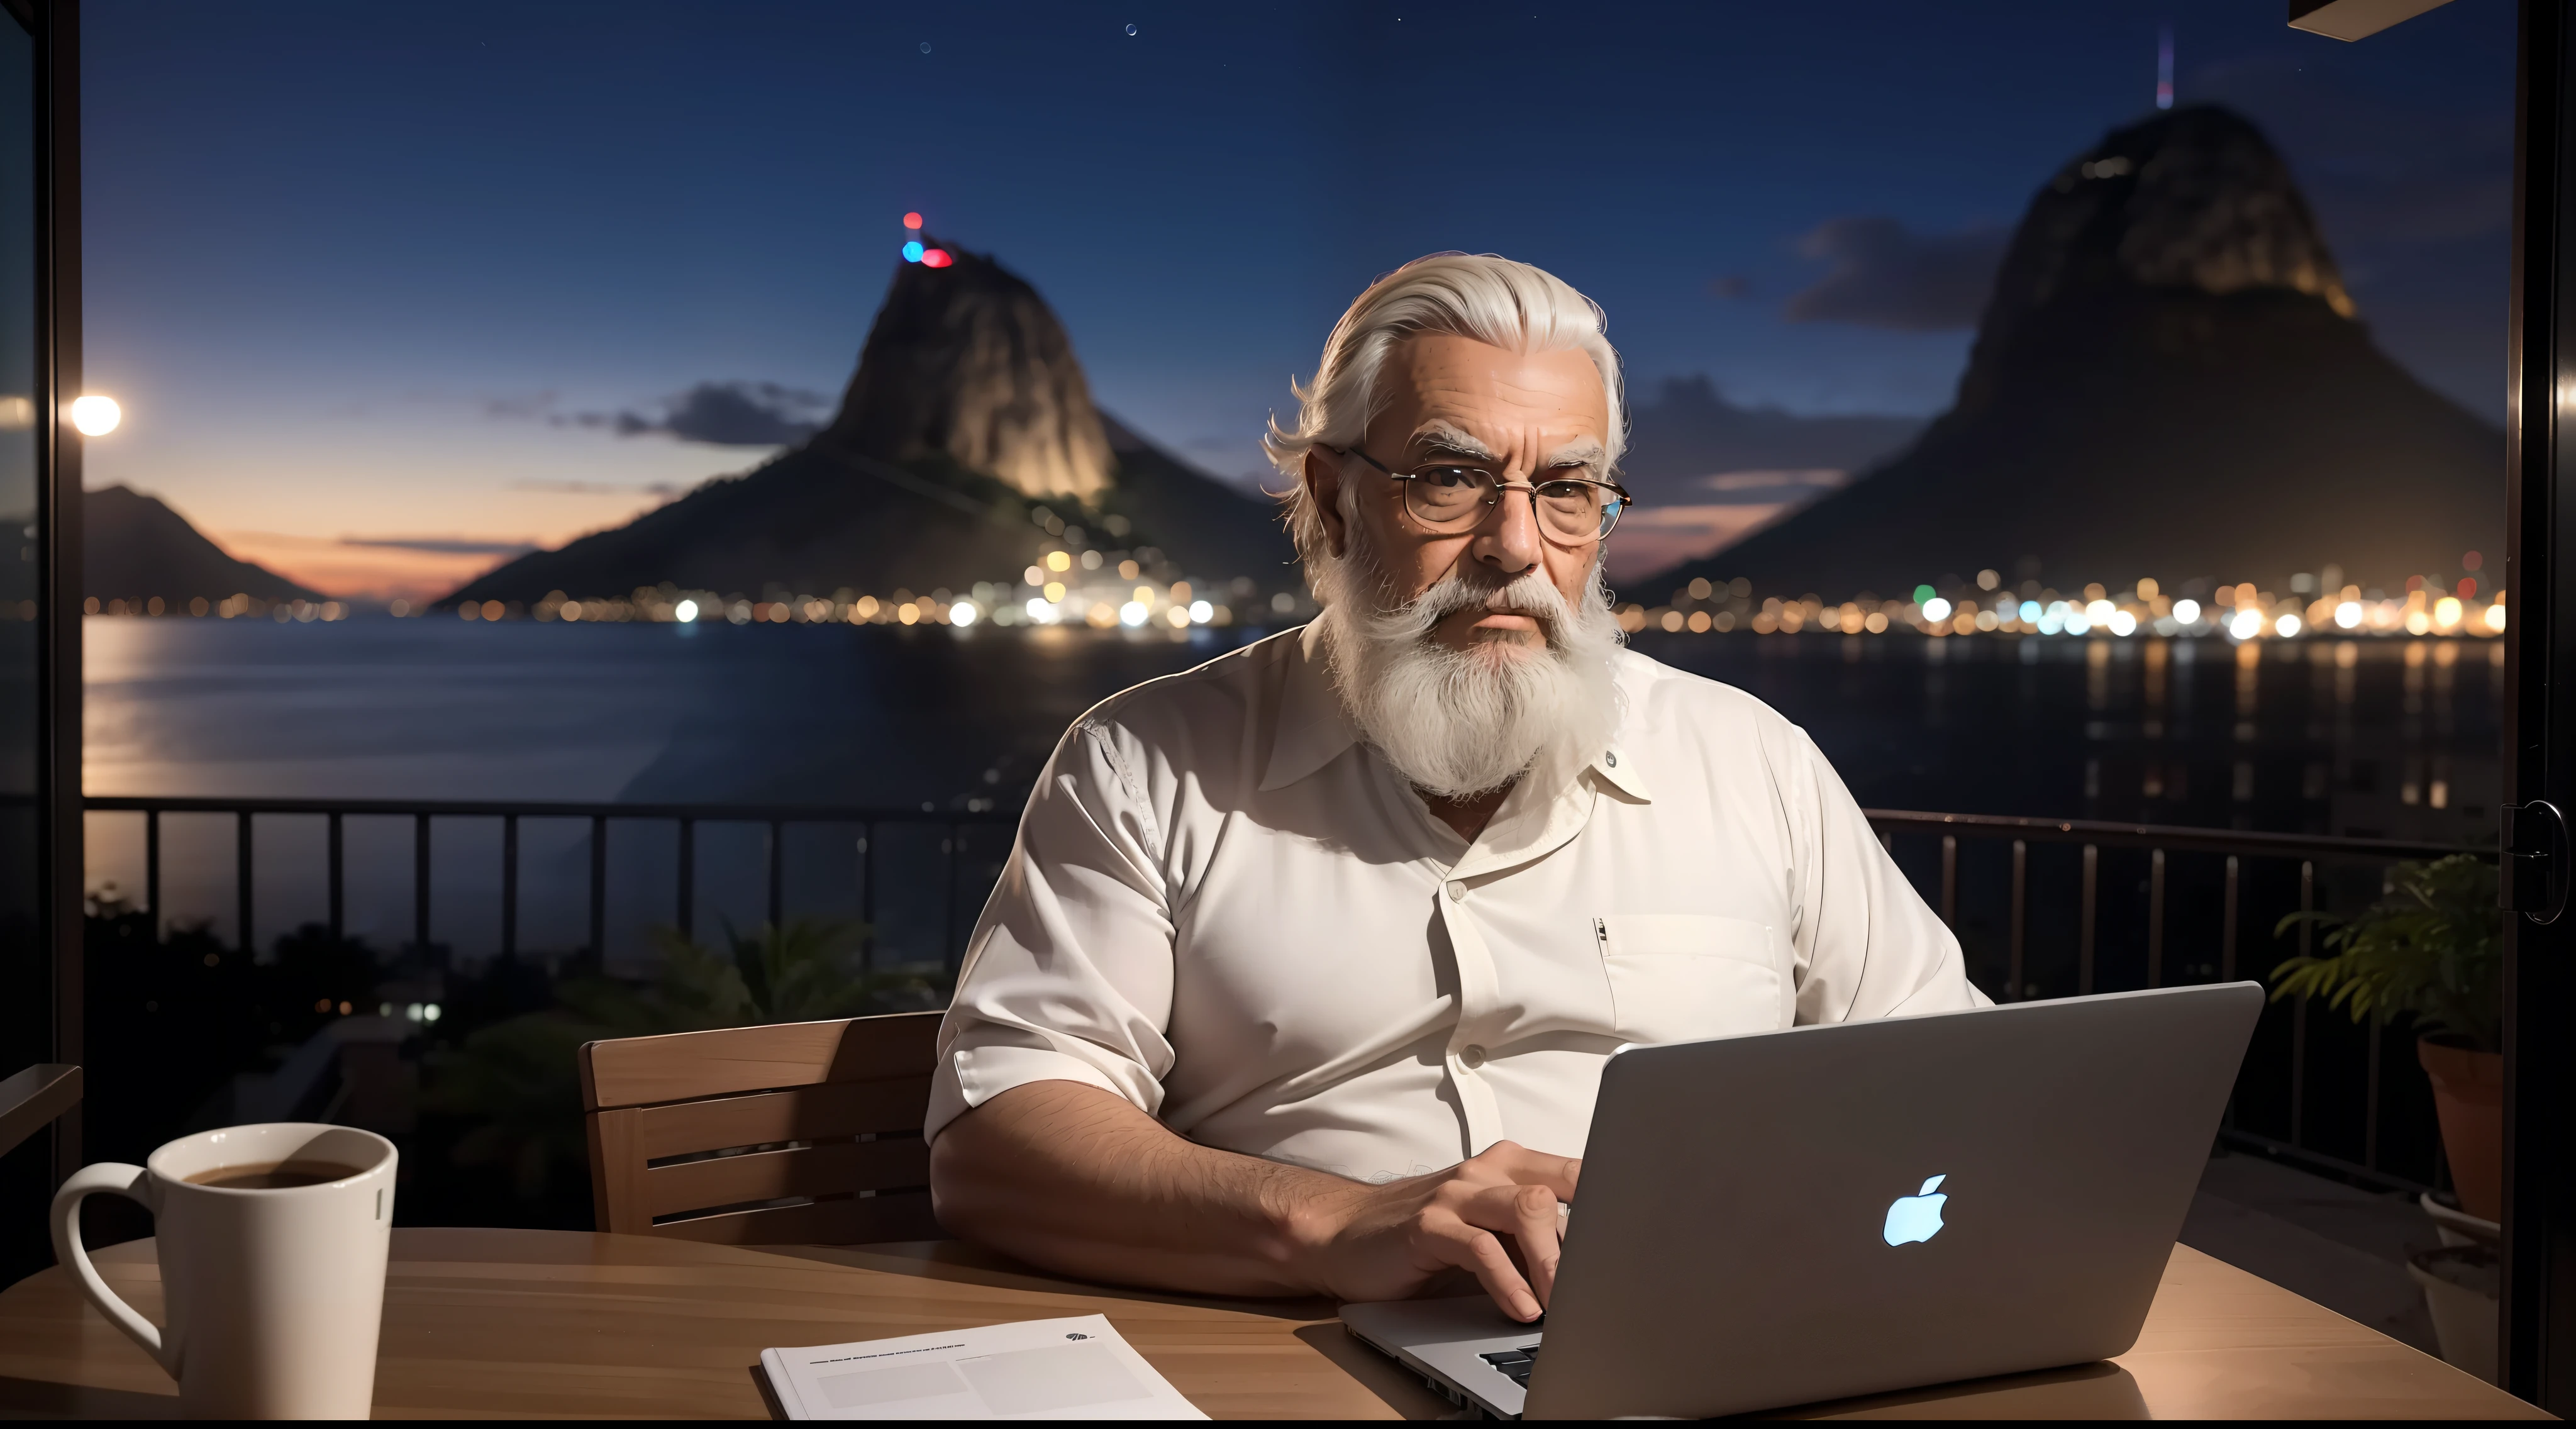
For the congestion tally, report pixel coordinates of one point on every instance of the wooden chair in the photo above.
(32, 1098)
(794, 1133)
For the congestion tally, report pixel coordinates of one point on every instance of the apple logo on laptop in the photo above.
(1916, 1217)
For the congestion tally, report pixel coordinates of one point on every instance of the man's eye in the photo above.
(1451, 475)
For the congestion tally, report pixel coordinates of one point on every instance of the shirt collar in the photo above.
(1621, 765)
(1313, 729)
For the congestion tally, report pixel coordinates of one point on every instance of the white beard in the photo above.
(1459, 723)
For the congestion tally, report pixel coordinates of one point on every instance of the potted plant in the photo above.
(2431, 949)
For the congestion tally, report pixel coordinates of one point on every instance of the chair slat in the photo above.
(639, 1071)
(893, 1104)
(835, 1168)
(903, 1216)
(691, 1093)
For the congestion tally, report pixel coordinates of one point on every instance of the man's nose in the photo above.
(1509, 540)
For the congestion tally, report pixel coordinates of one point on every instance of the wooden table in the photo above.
(524, 1323)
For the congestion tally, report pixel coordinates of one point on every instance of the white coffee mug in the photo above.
(274, 1290)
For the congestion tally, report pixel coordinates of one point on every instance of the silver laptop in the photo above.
(1823, 1212)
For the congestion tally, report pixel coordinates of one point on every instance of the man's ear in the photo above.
(1324, 489)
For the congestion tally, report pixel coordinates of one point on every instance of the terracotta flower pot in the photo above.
(2468, 1096)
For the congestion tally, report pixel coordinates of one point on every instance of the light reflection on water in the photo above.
(2394, 738)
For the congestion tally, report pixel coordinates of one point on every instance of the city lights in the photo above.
(1133, 613)
(963, 613)
(685, 611)
(2286, 626)
(2246, 624)
(2348, 614)
(2186, 611)
(1935, 610)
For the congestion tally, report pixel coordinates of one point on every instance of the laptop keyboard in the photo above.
(1515, 1363)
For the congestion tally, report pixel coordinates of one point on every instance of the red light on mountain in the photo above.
(912, 220)
(936, 258)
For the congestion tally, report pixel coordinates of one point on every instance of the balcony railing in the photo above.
(684, 819)
(2314, 1089)
(2043, 907)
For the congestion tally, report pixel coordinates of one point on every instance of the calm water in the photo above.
(2385, 738)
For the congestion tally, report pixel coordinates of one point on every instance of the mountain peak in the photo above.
(967, 362)
(2193, 199)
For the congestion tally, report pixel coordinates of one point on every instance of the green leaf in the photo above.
(2431, 949)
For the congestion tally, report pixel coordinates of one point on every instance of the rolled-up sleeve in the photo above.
(1068, 976)
(1867, 945)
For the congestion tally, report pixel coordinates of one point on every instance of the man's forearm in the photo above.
(1074, 1179)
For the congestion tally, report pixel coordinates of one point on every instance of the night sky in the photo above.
(376, 283)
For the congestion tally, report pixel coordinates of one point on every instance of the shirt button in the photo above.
(1458, 889)
(1471, 1056)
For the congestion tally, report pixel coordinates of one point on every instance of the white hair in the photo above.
(1477, 295)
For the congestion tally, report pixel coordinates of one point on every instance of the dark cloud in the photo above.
(441, 546)
(1730, 287)
(724, 414)
(1885, 275)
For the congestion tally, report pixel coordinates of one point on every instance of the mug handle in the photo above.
(116, 1179)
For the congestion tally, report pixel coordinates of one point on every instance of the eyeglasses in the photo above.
(1449, 498)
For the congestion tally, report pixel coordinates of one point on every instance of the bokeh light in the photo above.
(96, 415)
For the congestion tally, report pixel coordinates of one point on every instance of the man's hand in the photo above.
(1080, 1181)
(1386, 1242)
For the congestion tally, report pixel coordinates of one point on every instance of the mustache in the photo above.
(1529, 593)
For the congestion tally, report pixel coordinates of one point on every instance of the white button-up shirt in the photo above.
(1226, 908)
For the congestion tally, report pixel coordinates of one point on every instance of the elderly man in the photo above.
(1303, 972)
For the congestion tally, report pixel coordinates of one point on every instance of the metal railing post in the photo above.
(2019, 988)
(339, 905)
(509, 885)
(2084, 944)
(777, 873)
(2156, 918)
(2299, 1015)
(420, 884)
(152, 868)
(242, 869)
(949, 953)
(868, 897)
(2227, 927)
(688, 878)
(1950, 881)
(599, 890)
(2370, 1102)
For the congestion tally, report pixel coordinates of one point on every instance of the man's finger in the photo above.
(1530, 1215)
(1470, 1248)
(1525, 1167)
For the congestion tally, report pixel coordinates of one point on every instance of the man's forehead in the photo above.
(1447, 386)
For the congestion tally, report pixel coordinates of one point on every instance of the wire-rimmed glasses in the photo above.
(1449, 497)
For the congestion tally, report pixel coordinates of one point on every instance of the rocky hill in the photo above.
(2170, 380)
(965, 446)
(134, 548)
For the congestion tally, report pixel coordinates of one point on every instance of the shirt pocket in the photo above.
(1679, 976)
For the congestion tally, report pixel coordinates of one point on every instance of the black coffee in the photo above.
(274, 1175)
